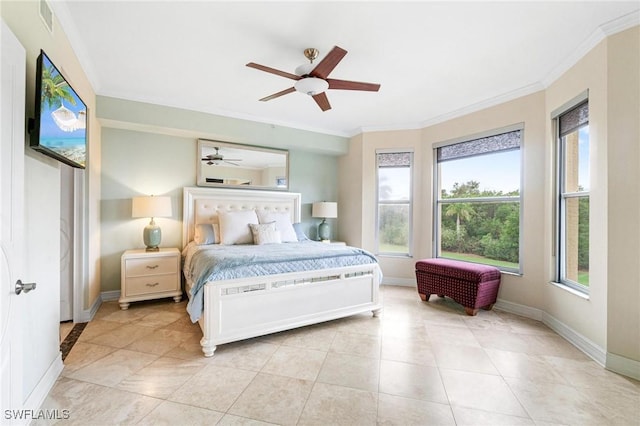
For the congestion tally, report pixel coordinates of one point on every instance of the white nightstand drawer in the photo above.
(151, 266)
(150, 284)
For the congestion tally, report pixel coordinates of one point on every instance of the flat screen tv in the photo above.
(60, 125)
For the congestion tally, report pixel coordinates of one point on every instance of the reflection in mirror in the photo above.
(227, 164)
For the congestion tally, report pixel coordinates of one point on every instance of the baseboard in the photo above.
(88, 314)
(522, 310)
(39, 394)
(597, 353)
(621, 365)
(576, 339)
(107, 296)
(402, 282)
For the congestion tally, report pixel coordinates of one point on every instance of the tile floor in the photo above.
(418, 364)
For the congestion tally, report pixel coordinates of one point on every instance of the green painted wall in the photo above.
(149, 149)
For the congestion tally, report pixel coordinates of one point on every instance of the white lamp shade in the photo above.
(151, 207)
(325, 209)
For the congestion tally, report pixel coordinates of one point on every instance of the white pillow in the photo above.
(265, 233)
(206, 233)
(234, 226)
(283, 224)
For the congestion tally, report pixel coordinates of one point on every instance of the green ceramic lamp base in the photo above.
(152, 235)
(324, 232)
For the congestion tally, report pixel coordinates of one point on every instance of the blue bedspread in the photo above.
(221, 262)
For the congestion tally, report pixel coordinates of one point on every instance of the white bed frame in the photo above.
(243, 308)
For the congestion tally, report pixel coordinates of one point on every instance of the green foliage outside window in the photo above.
(486, 229)
(394, 228)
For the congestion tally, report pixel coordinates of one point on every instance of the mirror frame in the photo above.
(201, 180)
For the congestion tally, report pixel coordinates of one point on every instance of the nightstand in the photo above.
(149, 275)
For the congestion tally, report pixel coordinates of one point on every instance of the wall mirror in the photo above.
(232, 165)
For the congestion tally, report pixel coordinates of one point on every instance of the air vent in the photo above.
(47, 15)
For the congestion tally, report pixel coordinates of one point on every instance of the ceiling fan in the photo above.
(217, 158)
(313, 80)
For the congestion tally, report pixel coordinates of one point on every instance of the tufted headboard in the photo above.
(201, 205)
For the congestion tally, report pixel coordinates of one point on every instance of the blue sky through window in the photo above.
(583, 158)
(495, 172)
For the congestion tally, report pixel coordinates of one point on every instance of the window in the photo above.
(478, 208)
(393, 233)
(573, 197)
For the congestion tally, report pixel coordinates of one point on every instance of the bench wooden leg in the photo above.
(424, 297)
(470, 311)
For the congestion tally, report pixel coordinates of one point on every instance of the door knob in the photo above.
(26, 287)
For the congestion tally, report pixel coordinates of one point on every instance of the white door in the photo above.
(12, 262)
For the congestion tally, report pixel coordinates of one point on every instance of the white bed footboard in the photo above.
(250, 307)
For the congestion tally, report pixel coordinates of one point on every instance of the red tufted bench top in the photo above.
(466, 271)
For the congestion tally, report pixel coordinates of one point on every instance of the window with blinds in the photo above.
(478, 201)
(394, 202)
(573, 156)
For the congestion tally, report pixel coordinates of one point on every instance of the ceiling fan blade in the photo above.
(352, 85)
(328, 63)
(277, 95)
(322, 101)
(273, 71)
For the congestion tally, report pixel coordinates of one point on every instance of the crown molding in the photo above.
(625, 22)
(479, 106)
(68, 27)
(601, 33)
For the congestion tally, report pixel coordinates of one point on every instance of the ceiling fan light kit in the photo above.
(313, 80)
(311, 85)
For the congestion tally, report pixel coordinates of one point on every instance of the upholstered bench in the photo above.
(472, 285)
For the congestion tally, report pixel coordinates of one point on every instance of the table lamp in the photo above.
(324, 210)
(151, 207)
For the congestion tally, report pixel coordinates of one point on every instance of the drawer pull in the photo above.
(152, 285)
(152, 267)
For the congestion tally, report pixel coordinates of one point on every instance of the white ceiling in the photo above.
(434, 60)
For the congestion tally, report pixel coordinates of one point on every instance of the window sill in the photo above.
(575, 292)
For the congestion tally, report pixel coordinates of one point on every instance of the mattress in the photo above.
(215, 262)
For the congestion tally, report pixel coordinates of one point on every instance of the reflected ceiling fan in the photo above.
(314, 80)
(217, 158)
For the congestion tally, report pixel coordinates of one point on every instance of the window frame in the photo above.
(561, 195)
(409, 202)
(438, 201)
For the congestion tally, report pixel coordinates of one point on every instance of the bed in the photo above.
(249, 298)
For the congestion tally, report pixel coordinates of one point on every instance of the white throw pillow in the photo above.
(265, 233)
(205, 233)
(283, 224)
(234, 226)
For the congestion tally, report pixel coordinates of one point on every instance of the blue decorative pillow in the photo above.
(300, 232)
